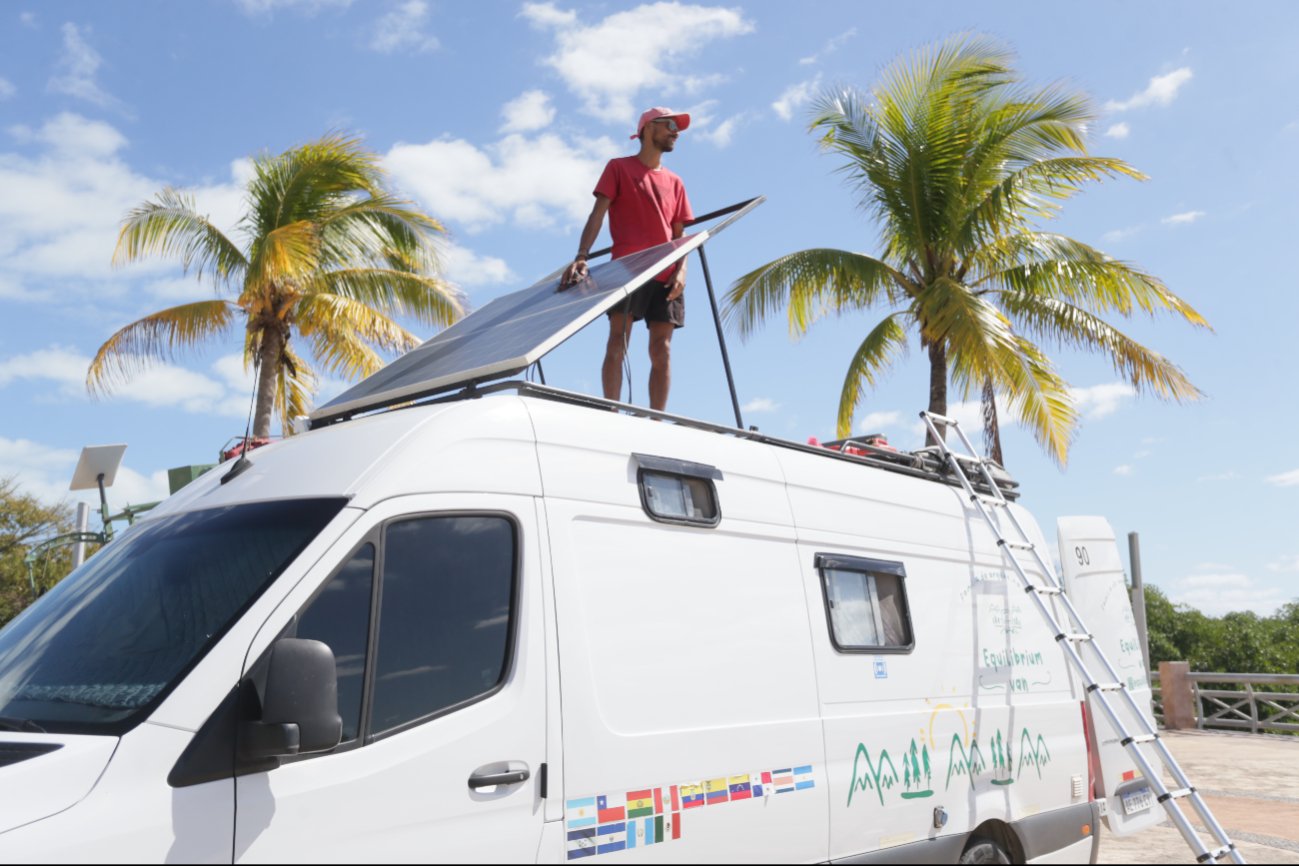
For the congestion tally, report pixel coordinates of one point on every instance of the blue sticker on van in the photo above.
(881, 669)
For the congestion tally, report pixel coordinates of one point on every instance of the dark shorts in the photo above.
(650, 302)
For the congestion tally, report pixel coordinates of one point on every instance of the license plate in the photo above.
(1137, 801)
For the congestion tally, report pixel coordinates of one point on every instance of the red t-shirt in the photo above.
(644, 205)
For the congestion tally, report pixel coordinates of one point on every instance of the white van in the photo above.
(525, 628)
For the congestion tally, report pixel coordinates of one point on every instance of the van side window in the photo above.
(678, 491)
(339, 616)
(866, 604)
(446, 616)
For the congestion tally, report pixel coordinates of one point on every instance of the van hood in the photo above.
(42, 775)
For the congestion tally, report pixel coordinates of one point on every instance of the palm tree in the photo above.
(957, 160)
(331, 256)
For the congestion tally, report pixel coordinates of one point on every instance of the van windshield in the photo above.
(98, 652)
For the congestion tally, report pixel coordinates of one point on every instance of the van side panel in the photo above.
(979, 718)
(690, 713)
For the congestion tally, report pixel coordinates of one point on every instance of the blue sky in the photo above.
(497, 119)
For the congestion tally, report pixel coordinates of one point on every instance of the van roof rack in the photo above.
(927, 463)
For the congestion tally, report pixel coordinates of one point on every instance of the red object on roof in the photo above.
(235, 446)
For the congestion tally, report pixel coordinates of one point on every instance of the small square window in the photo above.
(679, 498)
(866, 604)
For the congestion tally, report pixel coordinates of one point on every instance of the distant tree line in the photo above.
(1239, 642)
(24, 522)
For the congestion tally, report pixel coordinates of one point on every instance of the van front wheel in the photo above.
(984, 850)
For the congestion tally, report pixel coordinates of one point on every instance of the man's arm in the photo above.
(677, 284)
(578, 270)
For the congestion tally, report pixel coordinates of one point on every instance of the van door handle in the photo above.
(487, 780)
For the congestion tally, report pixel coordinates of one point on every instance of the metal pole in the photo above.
(1139, 597)
(103, 508)
(83, 525)
(721, 339)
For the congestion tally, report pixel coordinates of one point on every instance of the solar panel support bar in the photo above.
(721, 340)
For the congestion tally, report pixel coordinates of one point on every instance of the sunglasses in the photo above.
(670, 123)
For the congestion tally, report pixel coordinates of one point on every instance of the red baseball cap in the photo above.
(683, 120)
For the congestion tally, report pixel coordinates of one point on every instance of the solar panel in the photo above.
(514, 331)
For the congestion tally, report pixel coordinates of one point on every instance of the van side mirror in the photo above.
(300, 706)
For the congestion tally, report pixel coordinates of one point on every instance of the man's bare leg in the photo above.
(614, 350)
(660, 363)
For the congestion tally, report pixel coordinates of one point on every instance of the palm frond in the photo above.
(344, 334)
(157, 336)
(1143, 368)
(1049, 265)
(886, 342)
(395, 293)
(171, 227)
(812, 283)
(295, 387)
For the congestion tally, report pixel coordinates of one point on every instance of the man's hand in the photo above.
(574, 273)
(677, 283)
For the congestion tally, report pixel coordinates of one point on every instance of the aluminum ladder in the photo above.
(1073, 641)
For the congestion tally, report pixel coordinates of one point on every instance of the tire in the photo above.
(984, 850)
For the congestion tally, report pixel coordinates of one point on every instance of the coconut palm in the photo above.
(331, 257)
(957, 161)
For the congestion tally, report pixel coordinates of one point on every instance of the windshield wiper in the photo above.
(8, 724)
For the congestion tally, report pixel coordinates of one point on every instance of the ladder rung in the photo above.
(1014, 545)
(1073, 637)
(1214, 855)
(1106, 687)
(1044, 590)
(989, 500)
(1140, 738)
(1175, 795)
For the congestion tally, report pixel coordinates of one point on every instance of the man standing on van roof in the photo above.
(647, 206)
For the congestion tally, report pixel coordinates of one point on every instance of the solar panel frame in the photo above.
(576, 307)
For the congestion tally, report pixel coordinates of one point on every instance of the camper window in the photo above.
(679, 498)
(866, 604)
(446, 616)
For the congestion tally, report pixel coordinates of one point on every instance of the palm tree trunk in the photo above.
(937, 387)
(991, 429)
(268, 368)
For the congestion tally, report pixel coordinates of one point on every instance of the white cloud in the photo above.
(160, 385)
(830, 47)
(1121, 234)
(1221, 476)
(1178, 219)
(1101, 400)
(1124, 469)
(1285, 564)
(402, 29)
(722, 134)
(308, 7)
(1118, 130)
(1218, 594)
(760, 404)
(77, 67)
(464, 267)
(873, 422)
(1161, 90)
(527, 112)
(608, 64)
(1285, 479)
(62, 208)
(28, 19)
(794, 97)
(7, 89)
(536, 182)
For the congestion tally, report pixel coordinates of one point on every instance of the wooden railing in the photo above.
(1232, 701)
